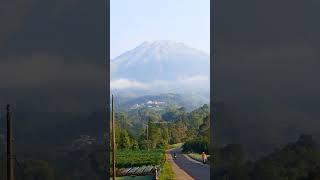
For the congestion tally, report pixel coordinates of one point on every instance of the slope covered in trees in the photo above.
(147, 128)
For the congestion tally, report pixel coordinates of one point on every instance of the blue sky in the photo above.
(135, 21)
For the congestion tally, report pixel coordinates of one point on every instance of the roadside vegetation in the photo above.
(174, 146)
(197, 157)
(166, 172)
(197, 145)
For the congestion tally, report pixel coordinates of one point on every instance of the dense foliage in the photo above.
(196, 145)
(151, 129)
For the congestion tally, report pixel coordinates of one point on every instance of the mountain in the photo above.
(161, 67)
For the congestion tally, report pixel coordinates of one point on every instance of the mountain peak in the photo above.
(160, 60)
(159, 50)
(167, 45)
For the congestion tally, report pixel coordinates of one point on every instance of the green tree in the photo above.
(204, 128)
(154, 134)
(124, 140)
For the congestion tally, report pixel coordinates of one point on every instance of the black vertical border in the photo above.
(107, 90)
(212, 62)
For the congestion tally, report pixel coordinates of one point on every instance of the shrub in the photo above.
(195, 145)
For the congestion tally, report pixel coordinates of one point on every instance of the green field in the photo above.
(137, 158)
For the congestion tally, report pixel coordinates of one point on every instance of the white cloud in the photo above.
(120, 84)
(182, 83)
(194, 80)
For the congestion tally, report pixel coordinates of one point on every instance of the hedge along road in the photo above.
(186, 168)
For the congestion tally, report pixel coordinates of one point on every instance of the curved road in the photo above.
(186, 168)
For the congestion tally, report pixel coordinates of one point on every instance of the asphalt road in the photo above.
(193, 168)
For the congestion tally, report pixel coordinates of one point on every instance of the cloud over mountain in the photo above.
(161, 66)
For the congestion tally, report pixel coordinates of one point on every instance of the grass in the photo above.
(197, 156)
(166, 172)
(174, 146)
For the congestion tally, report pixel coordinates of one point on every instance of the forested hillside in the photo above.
(169, 126)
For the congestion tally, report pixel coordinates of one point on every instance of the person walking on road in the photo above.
(204, 157)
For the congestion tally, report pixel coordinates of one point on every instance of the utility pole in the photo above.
(10, 174)
(147, 127)
(113, 142)
(148, 135)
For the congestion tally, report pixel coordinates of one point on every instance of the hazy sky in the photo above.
(132, 22)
